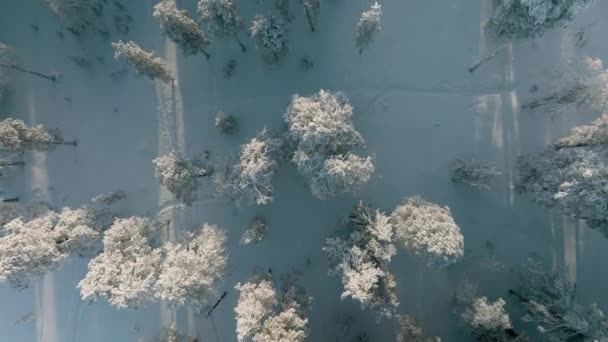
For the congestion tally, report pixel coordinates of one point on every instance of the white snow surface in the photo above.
(414, 103)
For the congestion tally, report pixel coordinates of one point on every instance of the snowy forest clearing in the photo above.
(414, 103)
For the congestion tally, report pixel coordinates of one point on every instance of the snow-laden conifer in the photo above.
(31, 247)
(16, 136)
(145, 63)
(368, 26)
(270, 37)
(427, 230)
(410, 330)
(180, 28)
(361, 257)
(247, 178)
(473, 172)
(521, 19)
(593, 135)
(574, 180)
(191, 268)
(180, 175)
(321, 130)
(263, 315)
(126, 272)
(312, 9)
(221, 18)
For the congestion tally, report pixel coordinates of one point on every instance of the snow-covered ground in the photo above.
(415, 104)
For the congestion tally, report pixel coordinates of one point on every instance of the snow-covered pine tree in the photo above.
(428, 231)
(361, 257)
(473, 172)
(584, 84)
(594, 135)
(321, 130)
(226, 123)
(222, 19)
(549, 300)
(410, 330)
(522, 19)
(574, 180)
(262, 315)
(192, 268)
(181, 28)
(180, 175)
(145, 63)
(312, 9)
(247, 178)
(488, 321)
(127, 270)
(368, 26)
(270, 37)
(16, 136)
(31, 247)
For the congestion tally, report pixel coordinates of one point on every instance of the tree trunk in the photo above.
(207, 55)
(72, 143)
(12, 199)
(12, 163)
(486, 59)
(216, 304)
(312, 27)
(238, 40)
(51, 78)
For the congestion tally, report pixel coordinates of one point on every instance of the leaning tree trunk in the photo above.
(51, 78)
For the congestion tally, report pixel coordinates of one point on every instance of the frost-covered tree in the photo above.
(180, 28)
(594, 135)
(109, 198)
(247, 178)
(549, 299)
(126, 272)
(321, 130)
(427, 230)
(255, 231)
(145, 63)
(312, 9)
(257, 301)
(16, 136)
(31, 247)
(262, 315)
(409, 330)
(574, 180)
(361, 258)
(270, 37)
(521, 19)
(473, 172)
(192, 268)
(78, 15)
(226, 123)
(222, 18)
(180, 175)
(488, 321)
(582, 85)
(368, 26)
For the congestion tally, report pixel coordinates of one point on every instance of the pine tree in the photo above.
(312, 8)
(361, 257)
(521, 19)
(428, 231)
(180, 28)
(321, 130)
(16, 136)
(145, 63)
(180, 175)
(221, 18)
(368, 26)
(270, 37)
(247, 178)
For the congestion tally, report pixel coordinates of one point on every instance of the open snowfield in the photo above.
(415, 104)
